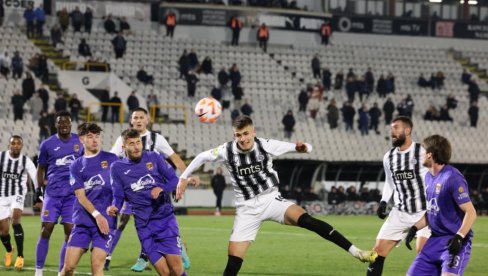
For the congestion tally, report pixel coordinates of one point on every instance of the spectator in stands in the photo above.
(144, 77)
(451, 101)
(77, 19)
(405, 107)
(288, 122)
(237, 92)
(120, 45)
(88, 19)
(374, 116)
(109, 25)
(18, 102)
(236, 26)
(44, 126)
(216, 93)
(84, 49)
(474, 90)
(17, 66)
(170, 22)
(116, 101)
(28, 86)
(35, 104)
(431, 114)
(246, 108)
(60, 104)
(104, 97)
(44, 95)
(29, 17)
(339, 80)
(316, 66)
(388, 109)
(43, 69)
(263, 36)
(333, 196)
(325, 33)
(348, 113)
(352, 194)
(153, 104)
(303, 99)
(365, 195)
(369, 80)
(326, 79)
(351, 88)
(124, 26)
(218, 185)
(477, 200)
(75, 107)
(350, 73)
(473, 112)
(314, 103)
(132, 102)
(390, 83)
(191, 82)
(309, 195)
(332, 114)
(362, 88)
(234, 114)
(422, 82)
(184, 63)
(206, 66)
(223, 78)
(465, 77)
(56, 35)
(4, 64)
(63, 18)
(444, 114)
(381, 87)
(364, 120)
(440, 79)
(341, 195)
(235, 76)
(40, 20)
(193, 59)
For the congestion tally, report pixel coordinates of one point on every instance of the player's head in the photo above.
(63, 122)
(132, 144)
(244, 132)
(15, 144)
(437, 150)
(90, 137)
(139, 119)
(401, 131)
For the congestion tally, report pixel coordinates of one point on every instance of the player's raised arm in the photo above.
(277, 148)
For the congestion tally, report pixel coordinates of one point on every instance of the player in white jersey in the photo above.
(405, 176)
(151, 141)
(249, 161)
(14, 169)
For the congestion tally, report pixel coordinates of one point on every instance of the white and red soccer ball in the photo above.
(208, 110)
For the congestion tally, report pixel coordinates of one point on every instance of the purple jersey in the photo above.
(133, 181)
(445, 192)
(93, 174)
(58, 156)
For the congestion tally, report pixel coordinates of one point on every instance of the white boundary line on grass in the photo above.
(31, 268)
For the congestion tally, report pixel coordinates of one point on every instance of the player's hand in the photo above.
(155, 192)
(300, 147)
(102, 224)
(39, 195)
(180, 189)
(194, 180)
(381, 211)
(454, 244)
(411, 234)
(112, 211)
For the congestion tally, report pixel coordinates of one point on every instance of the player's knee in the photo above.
(68, 269)
(381, 250)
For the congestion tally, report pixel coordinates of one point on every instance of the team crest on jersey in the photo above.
(461, 189)
(46, 213)
(437, 188)
(149, 166)
(104, 164)
(260, 158)
(76, 147)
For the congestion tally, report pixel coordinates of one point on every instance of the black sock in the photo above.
(19, 239)
(233, 266)
(376, 268)
(325, 230)
(6, 242)
(144, 256)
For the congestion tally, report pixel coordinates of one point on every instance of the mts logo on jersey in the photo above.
(248, 169)
(9, 175)
(404, 175)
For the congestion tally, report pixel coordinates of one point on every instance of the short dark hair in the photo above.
(130, 133)
(439, 147)
(139, 109)
(15, 137)
(405, 120)
(63, 113)
(242, 121)
(86, 128)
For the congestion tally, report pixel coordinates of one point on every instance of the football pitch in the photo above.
(278, 250)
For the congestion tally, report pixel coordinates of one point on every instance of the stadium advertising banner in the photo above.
(461, 30)
(210, 16)
(133, 10)
(10, 5)
(398, 26)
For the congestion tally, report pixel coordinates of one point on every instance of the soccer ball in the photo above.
(208, 110)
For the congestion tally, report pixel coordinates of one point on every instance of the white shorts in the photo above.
(7, 204)
(398, 223)
(251, 213)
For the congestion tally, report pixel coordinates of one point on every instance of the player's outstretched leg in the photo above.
(185, 257)
(383, 247)
(141, 264)
(19, 241)
(8, 249)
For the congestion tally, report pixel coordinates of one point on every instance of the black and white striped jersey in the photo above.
(14, 174)
(151, 141)
(405, 178)
(252, 171)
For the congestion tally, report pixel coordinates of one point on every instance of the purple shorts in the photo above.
(126, 209)
(82, 237)
(160, 238)
(53, 207)
(434, 259)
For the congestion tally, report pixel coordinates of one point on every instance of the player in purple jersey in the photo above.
(90, 179)
(146, 181)
(450, 215)
(56, 155)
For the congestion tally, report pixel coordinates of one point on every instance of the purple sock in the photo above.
(183, 274)
(62, 254)
(41, 252)
(117, 235)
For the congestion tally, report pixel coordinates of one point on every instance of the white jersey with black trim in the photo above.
(160, 145)
(13, 173)
(251, 171)
(405, 178)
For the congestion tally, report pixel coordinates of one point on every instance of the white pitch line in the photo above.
(31, 268)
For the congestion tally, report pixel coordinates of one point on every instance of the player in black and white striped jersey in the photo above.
(250, 162)
(405, 178)
(14, 169)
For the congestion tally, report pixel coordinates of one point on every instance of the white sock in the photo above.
(38, 272)
(353, 250)
(59, 273)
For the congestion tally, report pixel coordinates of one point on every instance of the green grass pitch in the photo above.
(278, 250)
